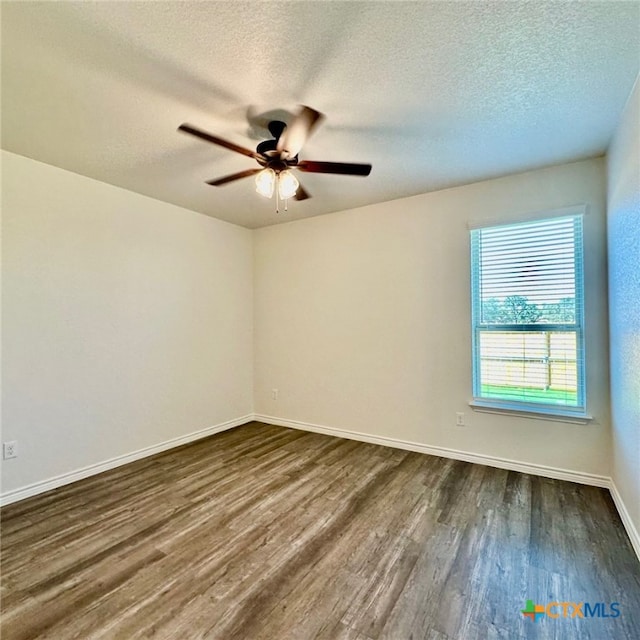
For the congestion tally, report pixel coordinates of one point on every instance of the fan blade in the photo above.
(345, 168)
(297, 133)
(187, 128)
(234, 176)
(302, 193)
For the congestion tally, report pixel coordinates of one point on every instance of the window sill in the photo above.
(484, 406)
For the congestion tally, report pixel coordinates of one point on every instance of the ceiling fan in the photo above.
(278, 156)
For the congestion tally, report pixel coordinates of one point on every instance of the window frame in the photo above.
(559, 412)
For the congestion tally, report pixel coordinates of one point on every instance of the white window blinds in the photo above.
(527, 297)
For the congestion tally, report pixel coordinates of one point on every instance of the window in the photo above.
(527, 313)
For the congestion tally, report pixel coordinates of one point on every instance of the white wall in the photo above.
(126, 321)
(624, 299)
(363, 320)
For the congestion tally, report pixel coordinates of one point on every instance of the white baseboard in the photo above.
(66, 478)
(444, 452)
(632, 532)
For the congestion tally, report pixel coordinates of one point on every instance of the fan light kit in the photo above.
(279, 157)
(287, 184)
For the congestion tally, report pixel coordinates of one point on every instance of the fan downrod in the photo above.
(276, 127)
(268, 148)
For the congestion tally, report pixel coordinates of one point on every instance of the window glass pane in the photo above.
(529, 366)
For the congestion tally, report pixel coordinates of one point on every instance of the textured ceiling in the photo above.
(433, 94)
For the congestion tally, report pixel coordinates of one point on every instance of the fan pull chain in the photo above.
(286, 202)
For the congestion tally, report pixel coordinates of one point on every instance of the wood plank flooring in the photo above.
(266, 533)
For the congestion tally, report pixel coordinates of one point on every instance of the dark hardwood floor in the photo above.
(266, 533)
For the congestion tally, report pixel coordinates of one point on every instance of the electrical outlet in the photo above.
(460, 419)
(274, 394)
(10, 449)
